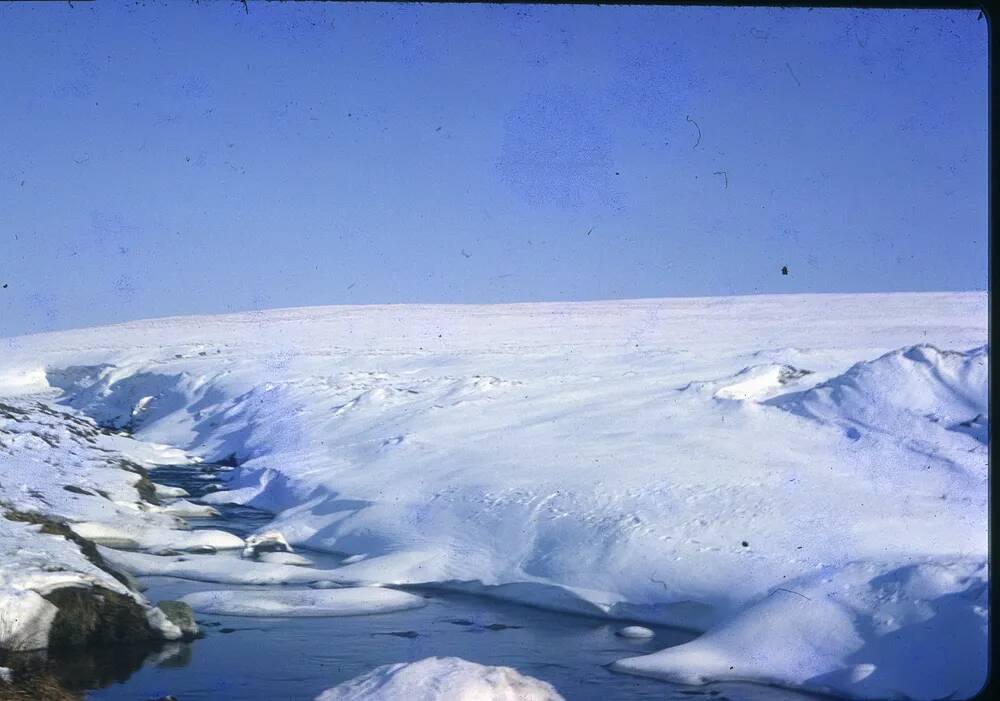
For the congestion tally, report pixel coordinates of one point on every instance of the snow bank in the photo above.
(166, 492)
(62, 479)
(349, 601)
(547, 453)
(222, 568)
(156, 539)
(187, 509)
(27, 381)
(442, 679)
(912, 632)
(283, 558)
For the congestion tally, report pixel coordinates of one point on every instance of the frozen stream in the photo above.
(296, 658)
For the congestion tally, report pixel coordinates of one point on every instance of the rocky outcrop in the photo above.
(96, 616)
(266, 542)
(181, 615)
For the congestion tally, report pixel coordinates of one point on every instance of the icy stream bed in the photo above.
(242, 657)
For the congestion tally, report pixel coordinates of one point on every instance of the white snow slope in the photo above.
(654, 460)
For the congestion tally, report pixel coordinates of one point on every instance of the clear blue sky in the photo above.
(161, 159)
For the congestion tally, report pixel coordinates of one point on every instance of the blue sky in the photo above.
(162, 159)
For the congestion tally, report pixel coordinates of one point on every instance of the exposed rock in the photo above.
(147, 490)
(131, 582)
(116, 543)
(202, 550)
(144, 485)
(181, 615)
(499, 626)
(266, 542)
(96, 616)
(41, 687)
(77, 490)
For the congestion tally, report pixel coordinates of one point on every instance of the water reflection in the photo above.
(84, 668)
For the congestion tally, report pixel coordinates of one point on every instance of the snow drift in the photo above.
(912, 393)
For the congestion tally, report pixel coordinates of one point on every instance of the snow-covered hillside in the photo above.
(803, 477)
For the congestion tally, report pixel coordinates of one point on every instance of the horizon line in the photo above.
(272, 310)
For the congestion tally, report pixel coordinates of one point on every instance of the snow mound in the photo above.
(283, 558)
(914, 391)
(165, 492)
(348, 601)
(915, 632)
(442, 679)
(187, 509)
(750, 383)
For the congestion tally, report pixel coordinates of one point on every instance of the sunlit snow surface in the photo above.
(345, 601)
(442, 679)
(803, 477)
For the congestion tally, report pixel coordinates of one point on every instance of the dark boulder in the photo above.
(96, 616)
(181, 615)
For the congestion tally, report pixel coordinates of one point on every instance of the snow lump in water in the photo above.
(442, 679)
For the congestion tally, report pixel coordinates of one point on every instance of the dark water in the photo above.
(297, 658)
(254, 659)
